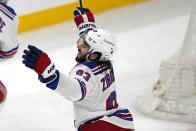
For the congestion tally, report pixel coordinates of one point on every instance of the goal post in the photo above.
(173, 96)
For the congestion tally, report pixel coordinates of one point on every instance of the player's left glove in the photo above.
(84, 22)
(39, 61)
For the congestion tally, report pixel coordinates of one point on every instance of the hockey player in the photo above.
(3, 95)
(91, 84)
(8, 31)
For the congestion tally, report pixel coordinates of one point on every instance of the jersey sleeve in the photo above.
(77, 85)
(8, 32)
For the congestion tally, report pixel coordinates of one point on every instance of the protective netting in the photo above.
(174, 94)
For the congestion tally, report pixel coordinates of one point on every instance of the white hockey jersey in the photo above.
(92, 89)
(8, 31)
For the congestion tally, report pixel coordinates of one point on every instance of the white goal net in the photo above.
(174, 95)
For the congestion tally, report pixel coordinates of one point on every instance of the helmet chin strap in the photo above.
(88, 54)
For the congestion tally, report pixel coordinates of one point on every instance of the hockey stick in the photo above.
(81, 7)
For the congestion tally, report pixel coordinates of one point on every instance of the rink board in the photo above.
(65, 12)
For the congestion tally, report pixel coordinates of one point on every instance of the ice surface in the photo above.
(146, 33)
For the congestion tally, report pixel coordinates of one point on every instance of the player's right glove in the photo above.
(84, 22)
(39, 61)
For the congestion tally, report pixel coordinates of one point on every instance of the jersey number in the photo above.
(111, 102)
(85, 75)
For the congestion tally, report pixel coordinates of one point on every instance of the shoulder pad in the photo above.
(90, 65)
(94, 67)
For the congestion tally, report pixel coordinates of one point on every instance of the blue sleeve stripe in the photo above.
(7, 12)
(8, 54)
(101, 71)
(127, 119)
(10, 9)
(123, 114)
(83, 89)
(10, 51)
(122, 111)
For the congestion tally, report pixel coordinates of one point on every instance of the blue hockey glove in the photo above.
(84, 22)
(39, 61)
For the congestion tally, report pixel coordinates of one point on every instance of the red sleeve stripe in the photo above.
(7, 54)
(7, 12)
(125, 115)
(83, 89)
(97, 68)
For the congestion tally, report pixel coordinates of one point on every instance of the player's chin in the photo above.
(78, 56)
(80, 59)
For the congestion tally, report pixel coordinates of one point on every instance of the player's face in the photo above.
(83, 49)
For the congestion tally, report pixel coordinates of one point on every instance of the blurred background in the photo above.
(147, 31)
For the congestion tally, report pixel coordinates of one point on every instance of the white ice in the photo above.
(147, 33)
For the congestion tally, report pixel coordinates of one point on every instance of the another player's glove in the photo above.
(40, 62)
(84, 22)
